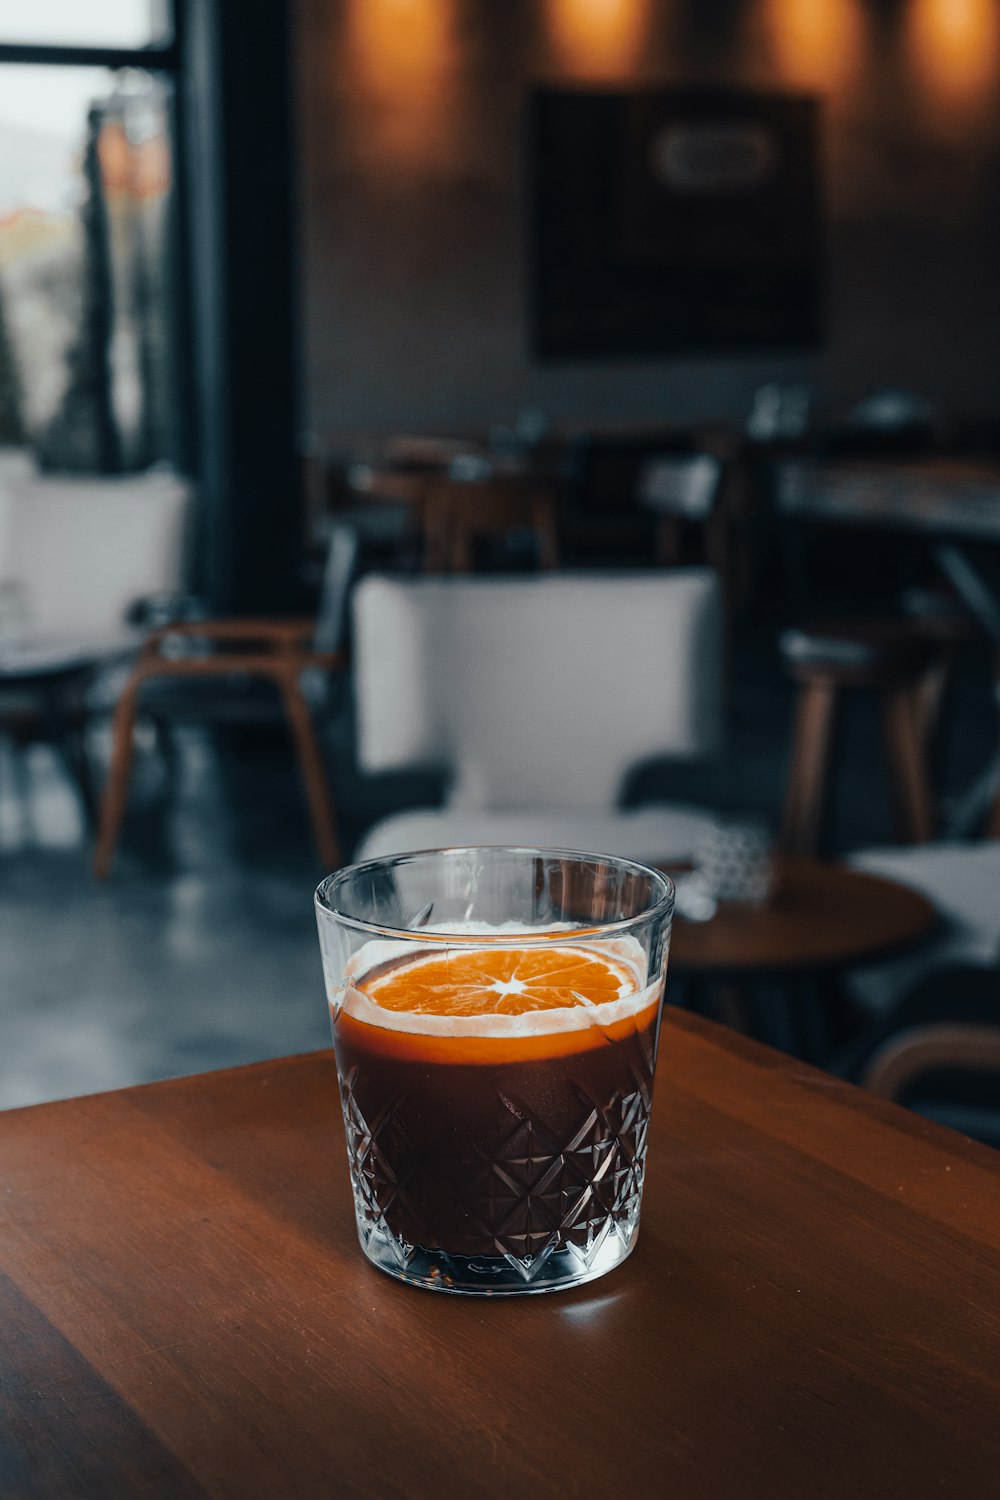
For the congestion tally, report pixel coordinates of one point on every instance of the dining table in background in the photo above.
(950, 503)
(44, 681)
(933, 496)
(398, 469)
(813, 1308)
(451, 494)
(773, 968)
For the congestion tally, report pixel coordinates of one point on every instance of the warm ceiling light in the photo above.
(816, 41)
(956, 43)
(400, 42)
(402, 59)
(598, 38)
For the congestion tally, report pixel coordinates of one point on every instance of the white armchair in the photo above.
(76, 553)
(538, 695)
(84, 549)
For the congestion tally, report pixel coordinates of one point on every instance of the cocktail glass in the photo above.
(496, 1016)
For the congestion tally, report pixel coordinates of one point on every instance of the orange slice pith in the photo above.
(499, 981)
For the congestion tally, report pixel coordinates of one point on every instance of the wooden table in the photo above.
(821, 918)
(813, 1309)
(43, 684)
(468, 496)
(938, 496)
(769, 969)
(950, 502)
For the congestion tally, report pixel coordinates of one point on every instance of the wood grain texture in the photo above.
(813, 1308)
(821, 917)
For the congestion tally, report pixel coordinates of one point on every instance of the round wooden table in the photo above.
(764, 967)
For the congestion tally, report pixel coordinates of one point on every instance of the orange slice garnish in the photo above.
(500, 982)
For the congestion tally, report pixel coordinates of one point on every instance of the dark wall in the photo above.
(411, 126)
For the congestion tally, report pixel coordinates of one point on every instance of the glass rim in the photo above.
(662, 907)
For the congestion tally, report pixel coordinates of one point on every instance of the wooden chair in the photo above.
(939, 1051)
(827, 660)
(706, 493)
(683, 489)
(457, 513)
(940, 618)
(912, 1054)
(295, 657)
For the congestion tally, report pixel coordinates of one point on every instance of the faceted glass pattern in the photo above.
(549, 1212)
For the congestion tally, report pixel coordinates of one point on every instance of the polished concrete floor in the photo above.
(200, 951)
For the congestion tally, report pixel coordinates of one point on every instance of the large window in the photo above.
(68, 23)
(88, 329)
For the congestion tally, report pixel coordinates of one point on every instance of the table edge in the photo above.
(798, 1074)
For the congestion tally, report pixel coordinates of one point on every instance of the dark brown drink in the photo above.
(496, 1150)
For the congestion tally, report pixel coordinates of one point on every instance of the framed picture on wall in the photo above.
(674, 221)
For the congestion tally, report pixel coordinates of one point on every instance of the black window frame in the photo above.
(154, 57)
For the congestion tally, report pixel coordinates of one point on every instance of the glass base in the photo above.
(553, 1270)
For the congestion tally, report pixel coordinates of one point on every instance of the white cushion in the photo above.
(656, 834)
(85, 548)
(963, 882)
(538, 692)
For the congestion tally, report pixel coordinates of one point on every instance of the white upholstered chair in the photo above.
(538, 695)
(84, 549)
(76, 554)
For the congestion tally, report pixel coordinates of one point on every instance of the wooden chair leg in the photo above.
(73, 749)
(545, 532)
(434, 519)
(20, 781)
(805, 802)
(993, 825)
(906, 766)
(67, 735)
(668, 541)
(313, 771)
(460, 538)
(929, 700)
(930, 694)
(115, 796)
(717, 543)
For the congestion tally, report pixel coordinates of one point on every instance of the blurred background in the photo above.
(570, 422)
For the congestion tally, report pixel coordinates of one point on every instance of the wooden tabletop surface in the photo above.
(813, 1309)
(939, 495)
(820, 917)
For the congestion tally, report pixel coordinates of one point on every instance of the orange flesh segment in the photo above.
(499, 981)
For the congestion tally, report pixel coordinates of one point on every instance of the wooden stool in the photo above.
(942, 620)
(882, 656)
